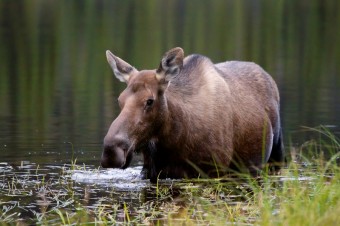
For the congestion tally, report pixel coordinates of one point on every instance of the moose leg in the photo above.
(277, 156)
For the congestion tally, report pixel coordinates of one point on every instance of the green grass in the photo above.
(305, 193)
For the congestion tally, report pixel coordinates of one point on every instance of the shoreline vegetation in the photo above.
(305, 193)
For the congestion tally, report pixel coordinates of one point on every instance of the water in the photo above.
(56, 87)
(128, 179)
(38, 194)
(58, 94)
(29, 192)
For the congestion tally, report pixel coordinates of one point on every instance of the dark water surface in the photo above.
(58, 94)
(57, 91)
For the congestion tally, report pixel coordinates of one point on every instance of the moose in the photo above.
(191, 117)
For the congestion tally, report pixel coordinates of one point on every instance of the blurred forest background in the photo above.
(56, 86)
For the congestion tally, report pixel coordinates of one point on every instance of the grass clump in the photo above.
(307, 192)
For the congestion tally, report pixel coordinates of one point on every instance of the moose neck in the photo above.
(175, 128)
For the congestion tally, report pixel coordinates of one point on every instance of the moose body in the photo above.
(191, 117)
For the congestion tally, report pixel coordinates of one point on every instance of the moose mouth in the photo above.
(116, 157)
(119, 154)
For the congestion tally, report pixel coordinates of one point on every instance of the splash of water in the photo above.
(127, 179)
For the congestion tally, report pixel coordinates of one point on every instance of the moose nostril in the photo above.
(120, 142)
(108, 148)
(115, 152)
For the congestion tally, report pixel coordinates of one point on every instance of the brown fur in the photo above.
(204, 118)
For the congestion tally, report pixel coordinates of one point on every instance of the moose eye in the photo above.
(149, 102)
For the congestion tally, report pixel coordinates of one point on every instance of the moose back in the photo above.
(193, 118)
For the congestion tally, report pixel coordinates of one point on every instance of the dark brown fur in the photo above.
(191, 117)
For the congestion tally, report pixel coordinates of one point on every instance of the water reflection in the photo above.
(56, 87)
(58, 95)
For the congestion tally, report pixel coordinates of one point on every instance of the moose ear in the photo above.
(121, 69)
(171, 64)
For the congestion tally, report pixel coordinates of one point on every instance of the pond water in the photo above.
(58, 94)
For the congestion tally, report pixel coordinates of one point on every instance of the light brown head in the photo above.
(143, 107)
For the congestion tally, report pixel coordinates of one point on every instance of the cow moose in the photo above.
(191, 117)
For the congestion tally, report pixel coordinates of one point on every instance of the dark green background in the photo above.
(56, 86)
